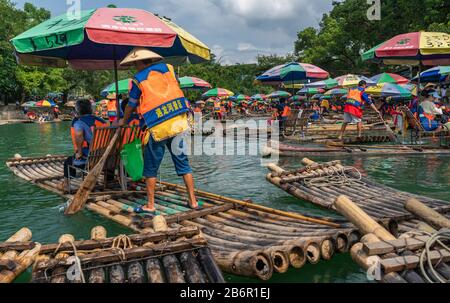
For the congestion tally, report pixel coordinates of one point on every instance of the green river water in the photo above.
(22, 204)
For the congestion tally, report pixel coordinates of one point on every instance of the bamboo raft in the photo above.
(165, 256)
(420, 255)
(322, 184)
(286, 150)
(246, 239)
(17, 254)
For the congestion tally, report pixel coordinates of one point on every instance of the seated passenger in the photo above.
(82, 133)
(428, 112)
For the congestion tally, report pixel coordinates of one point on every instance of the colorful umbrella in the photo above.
(279, 94)
(200, 102)
(242, 98)
(291, 73)
(325, 84)
(103, 35)
(193, 83)
(218, 92)
(389, 78)
(310, 91)
(258, 97)
(426, 48)
(45, 103)
(326, 97)
(124, 87)
(336, 92)
(29, 104)
(435, 74)
(316, 97)
(297, 98)
(353, 80)
(389, 90)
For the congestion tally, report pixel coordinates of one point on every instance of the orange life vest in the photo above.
(286, 112)
(161, 97)
(354, 103)
(112, 108)
(92, 122)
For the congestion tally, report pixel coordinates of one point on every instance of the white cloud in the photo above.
(245, 47)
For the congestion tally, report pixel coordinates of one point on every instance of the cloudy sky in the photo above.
(236, 30)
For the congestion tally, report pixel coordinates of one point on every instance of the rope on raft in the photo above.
(443, 235)
(335, 176)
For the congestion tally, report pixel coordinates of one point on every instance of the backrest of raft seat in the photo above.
(101, 138)
(411, 119)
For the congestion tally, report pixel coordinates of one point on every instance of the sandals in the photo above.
(141, 210)
(200, 206)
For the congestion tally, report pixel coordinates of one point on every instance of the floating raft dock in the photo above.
(286, 150)
(246, 239)
(167, 256)
(322, 184)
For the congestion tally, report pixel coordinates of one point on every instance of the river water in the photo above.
(22, 204)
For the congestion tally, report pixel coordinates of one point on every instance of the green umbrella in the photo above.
(124, 87)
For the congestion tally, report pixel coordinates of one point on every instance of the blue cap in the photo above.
(436, 95)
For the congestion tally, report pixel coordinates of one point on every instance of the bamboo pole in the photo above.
(98, 275)
(21, 261)
(360, 219)
(427, 214)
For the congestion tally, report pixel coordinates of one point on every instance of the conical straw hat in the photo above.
(139, 54)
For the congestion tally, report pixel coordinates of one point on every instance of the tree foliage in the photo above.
(345, 32)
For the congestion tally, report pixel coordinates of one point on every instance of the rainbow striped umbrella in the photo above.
(310, 91)
(353, 80)
(258, 97)
(193, 83)
(336, 92)
(292, 73)
(45, 103)
(389, 78)
(389, 90)
(103, 35)
(325, 84)
(218, 92)
(279, 94)
(426, 48)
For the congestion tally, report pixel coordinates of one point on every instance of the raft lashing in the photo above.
(169, 256)
(17, 253)
(321, 184)
(245, 239)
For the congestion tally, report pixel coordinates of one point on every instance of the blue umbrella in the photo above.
(435, 74)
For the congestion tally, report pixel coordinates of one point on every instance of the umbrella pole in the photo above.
(123, 182)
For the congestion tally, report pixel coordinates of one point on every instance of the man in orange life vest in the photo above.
(82, 132)
(283, 113)
(157, 96)
(353, 110)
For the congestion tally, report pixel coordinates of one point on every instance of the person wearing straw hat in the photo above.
(157, 97)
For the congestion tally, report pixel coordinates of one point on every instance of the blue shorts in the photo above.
(429, 125)
(154, 154)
